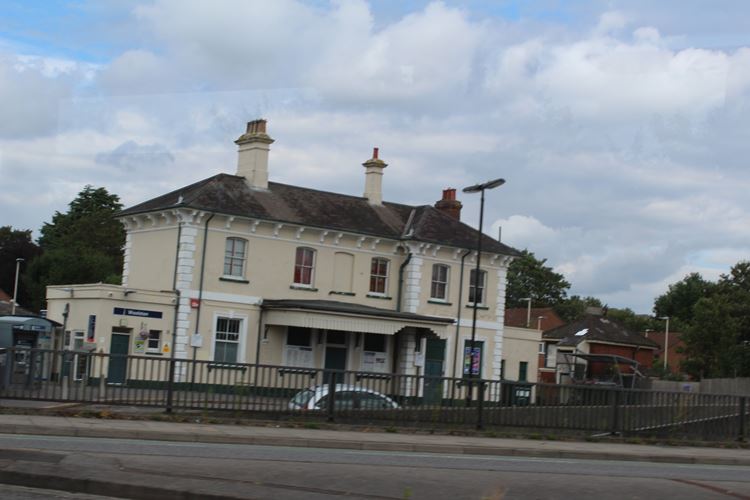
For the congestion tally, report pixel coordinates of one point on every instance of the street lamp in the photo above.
(15, 286)
(528, 311)
(666, 340)
(478, 188)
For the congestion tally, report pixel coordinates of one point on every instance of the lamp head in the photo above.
(486, 185)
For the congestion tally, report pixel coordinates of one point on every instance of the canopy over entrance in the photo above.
(344, 316)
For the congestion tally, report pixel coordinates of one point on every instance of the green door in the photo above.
(336, 360)
(433, 367)
(118, 360)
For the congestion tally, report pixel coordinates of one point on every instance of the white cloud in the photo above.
(622, 138)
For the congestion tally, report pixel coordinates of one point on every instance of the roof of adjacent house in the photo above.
(349, 308)
(517, 317)
(231, 195)
(593, 328)
(7, 306)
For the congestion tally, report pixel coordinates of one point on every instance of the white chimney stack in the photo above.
(374, 178)
(252, 157)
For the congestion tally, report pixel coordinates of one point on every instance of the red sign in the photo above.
(195, 303)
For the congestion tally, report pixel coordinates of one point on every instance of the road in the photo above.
(294, 473)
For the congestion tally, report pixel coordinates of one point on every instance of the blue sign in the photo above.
(91, 332)
(141, 313)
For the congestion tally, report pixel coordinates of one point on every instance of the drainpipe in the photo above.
(200, 291)
(257, 341)
(458, 313)
(401, 278)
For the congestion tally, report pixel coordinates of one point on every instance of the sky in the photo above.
(621, 127)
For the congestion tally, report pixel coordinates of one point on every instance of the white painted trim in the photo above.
(487, 325)
(224, 297)
(243, 333)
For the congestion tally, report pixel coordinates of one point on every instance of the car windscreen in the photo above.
(303, 397)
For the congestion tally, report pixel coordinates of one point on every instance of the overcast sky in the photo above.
(622, 128)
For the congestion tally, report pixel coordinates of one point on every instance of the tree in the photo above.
(14, 244)
(634, 322)
(717, 338)
(83, 245)
(678, 302)
(711, 341)
(529, 277)
(574, 307)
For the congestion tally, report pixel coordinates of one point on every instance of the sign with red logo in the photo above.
(195, 303)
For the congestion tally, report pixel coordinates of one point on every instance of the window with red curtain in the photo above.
(304, 264)
(379, 275)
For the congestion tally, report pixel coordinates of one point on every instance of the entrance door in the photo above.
(336, 360)
(118, 360)
(433, 367)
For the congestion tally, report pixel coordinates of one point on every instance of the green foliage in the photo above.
(529, 277)
(83, 245)
(717, 336)
(679, 300)
(634, 322)
(574, 307)
(15, 243)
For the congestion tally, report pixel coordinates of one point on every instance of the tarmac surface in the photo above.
(43, 474)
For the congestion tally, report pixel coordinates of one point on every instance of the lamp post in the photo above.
(15, 286)
(528, 311)
(666, 340)
(478, 188)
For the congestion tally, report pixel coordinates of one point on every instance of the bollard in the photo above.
(615, 412)
(331, 395)
(64, 387)
(480, 403)
(743, 409)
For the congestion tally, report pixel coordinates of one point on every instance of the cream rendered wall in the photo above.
(489, 317)
(271, 256)
(100, 300)
(521, 344)
(152, 258)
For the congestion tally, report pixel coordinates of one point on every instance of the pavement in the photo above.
(37, 424)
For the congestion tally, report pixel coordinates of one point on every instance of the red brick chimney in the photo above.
(449, 205)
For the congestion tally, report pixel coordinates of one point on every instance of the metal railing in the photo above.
(355, 396)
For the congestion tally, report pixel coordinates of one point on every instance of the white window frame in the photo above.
(483, 298)
(289, 349)
(384, 277)
(158, 341)
(231, 259)
(445, 283)
(302, 266)
(242, 334)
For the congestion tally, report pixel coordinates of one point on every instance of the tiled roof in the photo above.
(517, 317)
(7, 306)
(231, 195)
(594, 328)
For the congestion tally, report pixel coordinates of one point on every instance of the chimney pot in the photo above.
(449, 194)
(449, 205)
(256, 126)
(375, 153)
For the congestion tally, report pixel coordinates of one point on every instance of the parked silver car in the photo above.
(347, 397)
